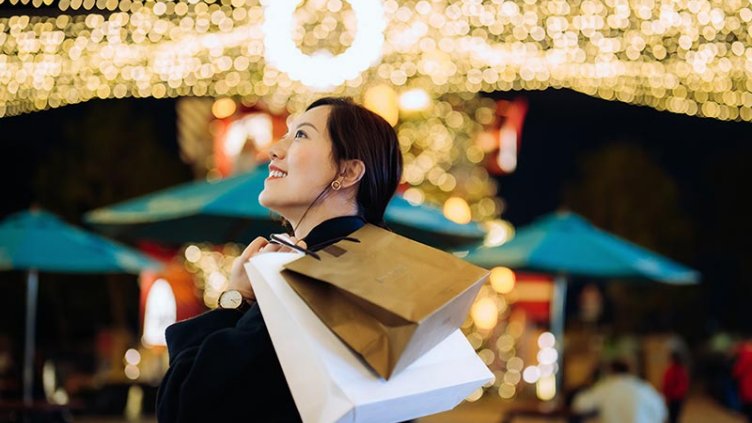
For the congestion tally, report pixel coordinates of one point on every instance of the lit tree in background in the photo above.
(442, 160)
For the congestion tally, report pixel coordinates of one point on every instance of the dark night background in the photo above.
(678, 185)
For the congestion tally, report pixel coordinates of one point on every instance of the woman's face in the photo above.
(301, 166)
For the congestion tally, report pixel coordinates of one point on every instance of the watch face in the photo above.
(230, 299)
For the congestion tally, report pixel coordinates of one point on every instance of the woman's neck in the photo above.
(318, 214)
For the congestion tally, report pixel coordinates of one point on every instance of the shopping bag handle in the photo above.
(333, 241)
(277, 239)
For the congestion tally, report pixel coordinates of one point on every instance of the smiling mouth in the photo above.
(276, 174)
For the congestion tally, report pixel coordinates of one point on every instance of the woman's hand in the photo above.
(239, 277)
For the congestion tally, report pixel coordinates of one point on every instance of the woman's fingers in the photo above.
(238, 277)
(295, 241)
(271, 247)
(254, 247)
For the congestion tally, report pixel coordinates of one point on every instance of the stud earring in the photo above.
(336, 185)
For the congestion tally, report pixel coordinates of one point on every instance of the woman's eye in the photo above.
(300, 134)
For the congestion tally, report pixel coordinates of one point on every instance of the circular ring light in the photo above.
(322, 70)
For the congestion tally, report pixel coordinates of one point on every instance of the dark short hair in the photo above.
(358, 133)
(619, 366)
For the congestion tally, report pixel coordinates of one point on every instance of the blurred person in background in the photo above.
(743, 374)
(575, 417)
(622, 398)
(675, 386)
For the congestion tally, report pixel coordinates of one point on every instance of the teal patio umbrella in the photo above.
(566, 244)
(39, 241)
(427, 224)
(228, 211)
(217, 212)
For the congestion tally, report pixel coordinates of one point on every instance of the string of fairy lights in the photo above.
(687, 56)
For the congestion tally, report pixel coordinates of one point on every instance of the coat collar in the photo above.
(330, 231)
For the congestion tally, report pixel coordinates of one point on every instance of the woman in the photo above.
(335, 171)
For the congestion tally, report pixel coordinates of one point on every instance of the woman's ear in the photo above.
(351, 172)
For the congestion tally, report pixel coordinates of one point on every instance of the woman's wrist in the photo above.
(250, 299)
(247, 295)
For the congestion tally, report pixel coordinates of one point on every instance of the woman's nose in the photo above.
(278, 149)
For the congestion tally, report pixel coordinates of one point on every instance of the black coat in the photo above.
(223, 367)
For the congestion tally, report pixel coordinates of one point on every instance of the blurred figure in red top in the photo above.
(675, 386)
(743, 375)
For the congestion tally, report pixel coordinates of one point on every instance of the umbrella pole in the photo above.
(32, 286)
(558, 301)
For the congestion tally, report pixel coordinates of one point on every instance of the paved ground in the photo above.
(699, 409)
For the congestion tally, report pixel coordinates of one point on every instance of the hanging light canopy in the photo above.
(686, 56)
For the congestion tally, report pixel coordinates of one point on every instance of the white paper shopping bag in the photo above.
(328, 381)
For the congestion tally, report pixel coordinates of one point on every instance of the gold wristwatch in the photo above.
(232, 300)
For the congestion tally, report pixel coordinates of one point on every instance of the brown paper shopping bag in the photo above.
(389, 298)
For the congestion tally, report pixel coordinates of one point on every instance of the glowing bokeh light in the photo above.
(414, 100)
(223, 108)
(546, 340)
(382, 99)
(485, 314)
(502, 280)
(132, 356)
(545, 388)
(457, 210)
(531, 374)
